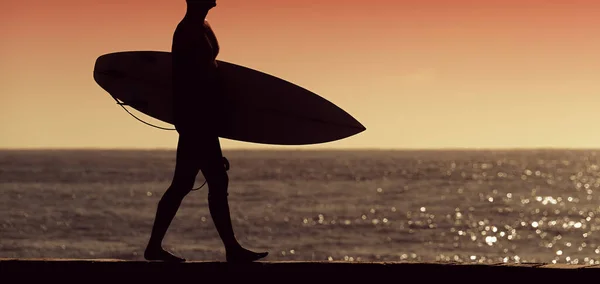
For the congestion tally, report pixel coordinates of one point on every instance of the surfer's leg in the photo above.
(218, 181)
(186, 169)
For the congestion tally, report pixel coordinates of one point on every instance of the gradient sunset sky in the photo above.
(417, 74)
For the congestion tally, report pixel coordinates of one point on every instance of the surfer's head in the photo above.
(198, 9)
(206, 4)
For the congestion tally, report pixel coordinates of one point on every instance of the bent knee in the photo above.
(216, 176)
(217, 185)
(176, 192)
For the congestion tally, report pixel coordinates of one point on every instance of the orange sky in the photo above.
(417, 74)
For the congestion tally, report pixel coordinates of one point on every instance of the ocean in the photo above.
(475, 206)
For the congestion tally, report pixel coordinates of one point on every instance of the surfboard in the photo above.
(261, 108)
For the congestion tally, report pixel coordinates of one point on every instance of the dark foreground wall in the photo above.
(117, 271)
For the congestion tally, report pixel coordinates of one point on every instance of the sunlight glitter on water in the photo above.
(481, 207)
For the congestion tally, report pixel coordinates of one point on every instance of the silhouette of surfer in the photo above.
(197, 108)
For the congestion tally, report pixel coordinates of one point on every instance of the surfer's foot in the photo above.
(240, 254)
(161, 255)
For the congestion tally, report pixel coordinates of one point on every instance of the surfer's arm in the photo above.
(206, 71)
(210, 34)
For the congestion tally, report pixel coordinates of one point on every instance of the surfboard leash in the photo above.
(139, 119)
(150, 124)
(225, 161)
(227, 166)
(194, 189)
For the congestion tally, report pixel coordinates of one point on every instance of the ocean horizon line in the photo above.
(278, 148)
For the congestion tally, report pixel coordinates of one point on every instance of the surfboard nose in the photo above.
(356, 126)
(352, 122)
(361, 127)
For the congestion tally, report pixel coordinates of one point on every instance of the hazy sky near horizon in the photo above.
(416, 73)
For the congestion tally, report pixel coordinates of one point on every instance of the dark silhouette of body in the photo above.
(197, 106)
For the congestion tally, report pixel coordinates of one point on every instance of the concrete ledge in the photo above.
(114, 270)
